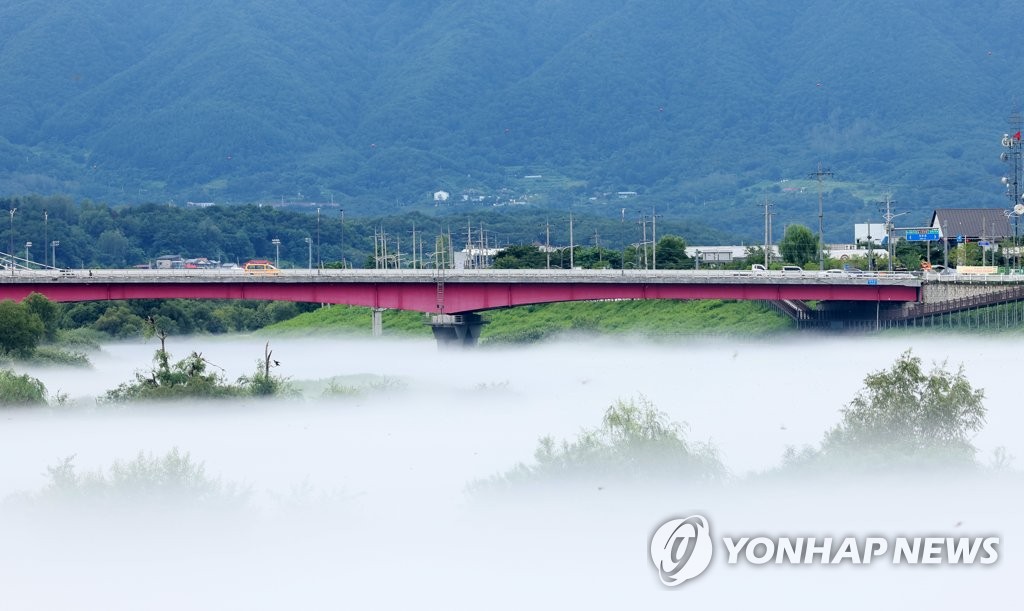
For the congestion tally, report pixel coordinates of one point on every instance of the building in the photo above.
(972, 224)
(170, 262)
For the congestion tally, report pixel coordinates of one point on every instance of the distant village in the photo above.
(986, 227)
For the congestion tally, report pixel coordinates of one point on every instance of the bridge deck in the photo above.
(463, 290)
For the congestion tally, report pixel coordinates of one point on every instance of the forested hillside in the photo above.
(700, 108)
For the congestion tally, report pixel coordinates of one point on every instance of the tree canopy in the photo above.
(799, 245)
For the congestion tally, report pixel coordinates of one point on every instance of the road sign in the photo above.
(984, 243)
(922, 235)
(959, 239)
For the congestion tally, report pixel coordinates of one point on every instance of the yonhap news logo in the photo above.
(682, 548)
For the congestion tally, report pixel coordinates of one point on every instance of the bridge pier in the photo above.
(378, 322)
(456, 330)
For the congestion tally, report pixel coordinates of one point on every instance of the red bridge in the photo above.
(455, 291)
(454, 297)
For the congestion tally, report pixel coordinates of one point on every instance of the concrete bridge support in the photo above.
(378, 322)
(456, 330)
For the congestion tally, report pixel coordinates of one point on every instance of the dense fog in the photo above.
(360, 499)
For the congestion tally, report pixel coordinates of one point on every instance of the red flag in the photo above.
(1017, 135)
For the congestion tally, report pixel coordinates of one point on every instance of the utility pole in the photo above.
(547, 243)
(643, 244)
(888, 216)
(46, 236)
(654, 239)
(767, 229)
(1012, 155)
(871, 250)
(341, 244)
(414, 266)
(820, 174)
(319, 261)
(572, 260)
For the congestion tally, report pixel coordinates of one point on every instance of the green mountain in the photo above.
(702, 108)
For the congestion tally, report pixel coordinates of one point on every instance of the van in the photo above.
(260, 267)
(792, 269)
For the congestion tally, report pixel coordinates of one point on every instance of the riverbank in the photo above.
(539, 322)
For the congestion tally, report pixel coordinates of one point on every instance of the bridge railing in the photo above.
(517, 275)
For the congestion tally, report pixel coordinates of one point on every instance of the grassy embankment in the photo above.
(539, 322)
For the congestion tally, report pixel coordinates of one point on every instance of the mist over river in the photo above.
(359, 500)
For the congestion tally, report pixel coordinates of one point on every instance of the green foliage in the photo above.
(355, 320)
(263, 383)
(799, 245)
(671, 252)
(18, 390)
(521, 257)
(903, 417)
(48, 312)
(362, 386)
(20, 329)
(186, 378)
(529, 117)
(52, 355)
(172, 481)
(649, 318)
(634, 442)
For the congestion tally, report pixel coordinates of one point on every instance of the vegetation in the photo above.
(902, 417)
(516, 110)
(191, 378)
(354, 320)
(170, 482)
(20, 329)
(635, 442)
(18, 390)
(799, 245)
(538, 322)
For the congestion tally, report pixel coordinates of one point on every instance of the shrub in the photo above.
(20, 390)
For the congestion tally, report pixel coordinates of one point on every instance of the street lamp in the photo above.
(53, 246)
(46, 234)
(309, 243)
(343, 264)
(27, 246)
(277, 252)
(10, 251)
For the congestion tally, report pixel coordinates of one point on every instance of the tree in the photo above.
(671, 252)
(20, 330)
(48, 312)
(520, 257)
(799, 245)
(635, 442)
(20, 389)
(905, 412)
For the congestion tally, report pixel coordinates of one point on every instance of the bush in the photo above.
(20, 330)
(20, 390)
(186, 378)
(169, 481)
(635, 442)
(902, 417)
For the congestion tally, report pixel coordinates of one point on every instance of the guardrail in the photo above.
(448, 275)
